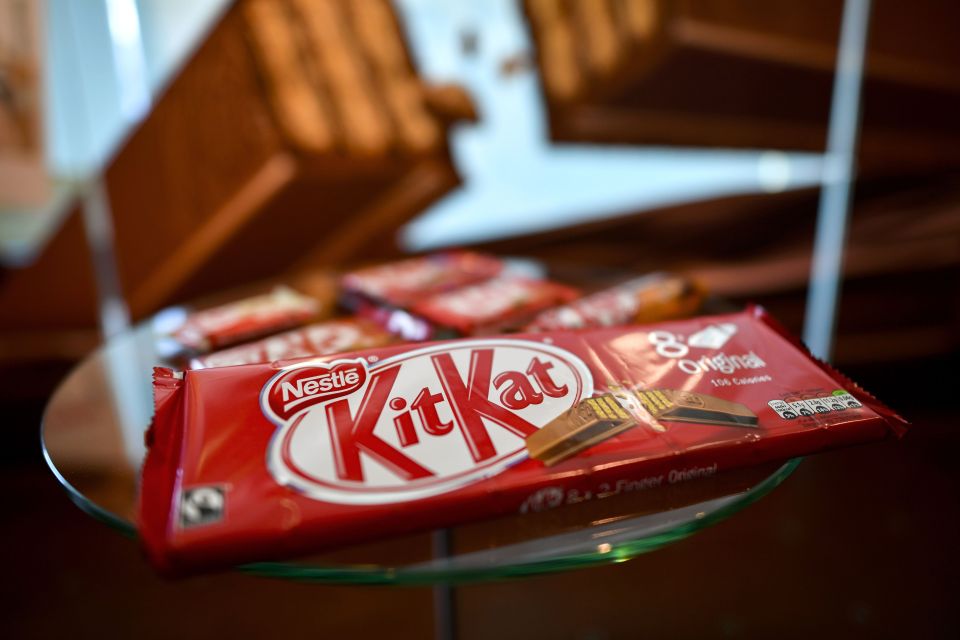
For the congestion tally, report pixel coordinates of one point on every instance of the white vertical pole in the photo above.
(838, 172)
(95, 202)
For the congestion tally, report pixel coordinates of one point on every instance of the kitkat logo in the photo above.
(304, 386)
(420, 423)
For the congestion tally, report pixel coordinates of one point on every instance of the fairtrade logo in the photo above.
(421, 423)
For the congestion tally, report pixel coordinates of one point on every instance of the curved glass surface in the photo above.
(93, 441)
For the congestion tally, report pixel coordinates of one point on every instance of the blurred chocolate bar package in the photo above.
(450, 294)
(319, 339)
(650, 298)
(247, 319)
(406, 281)
(501, 304)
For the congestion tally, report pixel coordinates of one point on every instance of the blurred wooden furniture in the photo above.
(297, 134)
(299, 131)
(24, 183)
(748, 73)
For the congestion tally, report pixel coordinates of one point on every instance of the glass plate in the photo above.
(92, 437)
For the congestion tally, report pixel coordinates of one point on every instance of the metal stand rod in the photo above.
(827, 266)
(444, 595)
(95, 201)
(98, 225)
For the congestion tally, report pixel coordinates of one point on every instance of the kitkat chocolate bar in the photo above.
(650, 298)
(268, 461)
(492, 306)
(403, 282)
(246, 319)
(318, 339)
(500, 304)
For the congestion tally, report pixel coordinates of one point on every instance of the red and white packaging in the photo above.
(650, 298)
(268, 461)
(246, 319)
(493, 306)
(406, 281)
(319, 339)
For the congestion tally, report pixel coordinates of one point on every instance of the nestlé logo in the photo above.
(303, 387)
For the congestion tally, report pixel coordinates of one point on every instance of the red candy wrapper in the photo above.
(246, 319)
(320, 339)
(492, 306)
(267, 461)
(401, 283)
(650, 298)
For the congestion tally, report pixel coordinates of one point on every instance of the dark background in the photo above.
(859, 542)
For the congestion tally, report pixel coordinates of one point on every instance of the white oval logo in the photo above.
(424, 422)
